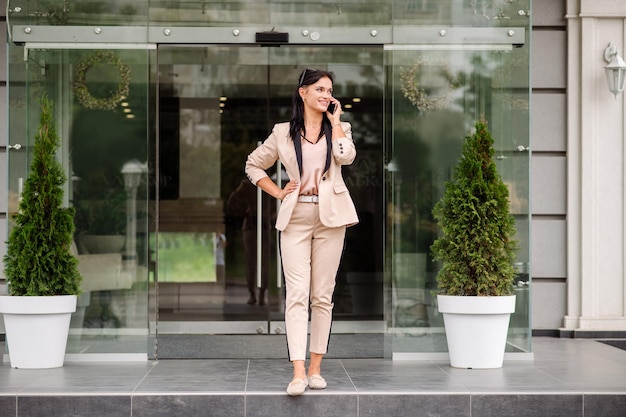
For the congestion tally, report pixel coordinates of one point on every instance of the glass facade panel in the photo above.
(471, 13)
(438, 95)
(102, 114)
(199, 13)
(474, 13)
(78, 13)
(157, 163)
(219, 13)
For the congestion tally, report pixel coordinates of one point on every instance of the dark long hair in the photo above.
(307, 77)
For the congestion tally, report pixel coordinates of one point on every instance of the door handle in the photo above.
(259, 232)
(20, 188)
(279, 267)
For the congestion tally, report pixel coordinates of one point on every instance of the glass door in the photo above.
(216, 251)
(102, 107)
(438, 96)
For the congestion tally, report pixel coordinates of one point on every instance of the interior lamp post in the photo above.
(615, 70)
(132, 172)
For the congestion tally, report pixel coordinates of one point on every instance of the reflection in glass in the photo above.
(187, 257)
(213, 112)
(473, 13)
(409, 109)
(111, 218)
(438, 96)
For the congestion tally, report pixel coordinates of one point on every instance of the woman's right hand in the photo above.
(289, 188)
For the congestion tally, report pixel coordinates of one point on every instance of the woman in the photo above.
(316, 208)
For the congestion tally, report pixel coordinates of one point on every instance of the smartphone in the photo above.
(331, 108)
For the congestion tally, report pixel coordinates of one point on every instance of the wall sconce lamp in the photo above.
(615, 71)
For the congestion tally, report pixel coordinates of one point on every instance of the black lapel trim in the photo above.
(297, 144)
(328, 131)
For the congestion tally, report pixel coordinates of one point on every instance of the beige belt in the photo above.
(308, 199)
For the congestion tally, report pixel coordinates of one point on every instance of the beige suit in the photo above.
(312, 235)
(335, 206)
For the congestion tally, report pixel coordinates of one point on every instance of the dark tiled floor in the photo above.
(568, 377)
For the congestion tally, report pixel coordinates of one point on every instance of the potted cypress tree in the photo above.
(477, 250)
(41, 272)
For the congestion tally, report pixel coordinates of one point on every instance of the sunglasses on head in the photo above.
(303, 74)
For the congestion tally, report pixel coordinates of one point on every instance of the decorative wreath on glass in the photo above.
(81, 91)
(418, 96)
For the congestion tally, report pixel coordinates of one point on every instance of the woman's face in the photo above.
(317, 97)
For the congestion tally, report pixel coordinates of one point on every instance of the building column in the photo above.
(596, 212)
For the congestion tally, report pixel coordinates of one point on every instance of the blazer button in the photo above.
(323, 178)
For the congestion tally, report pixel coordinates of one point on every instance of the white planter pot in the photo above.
(103, 243)
(476, 329)
(37, 329)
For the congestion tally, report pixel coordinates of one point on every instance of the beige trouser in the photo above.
(310, 254)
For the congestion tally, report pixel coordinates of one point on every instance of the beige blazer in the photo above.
(335, 204)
